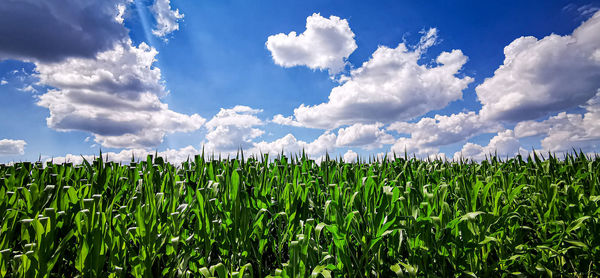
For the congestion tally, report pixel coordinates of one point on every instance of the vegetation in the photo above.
(293, 217)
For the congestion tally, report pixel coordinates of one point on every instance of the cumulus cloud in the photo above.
(350, 156)
(115, 96)
(368, 136)
(12, 147)
(437, 156)
(234, 119)
(99, 82)
(167, 20)
(289, 144)
(428, 134)
(280, 119)
(228, 131)
(175, 156)
(120, 13)
(391, 86)
(3, 82)
(504, 144)
(385, 155)
(541, 77)
(51, 31)
(234, 128)
(410, 147)
(325, 44)
(565, 132)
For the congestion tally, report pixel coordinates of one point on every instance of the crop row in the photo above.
(293, 217)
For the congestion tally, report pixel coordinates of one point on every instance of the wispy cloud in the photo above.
(585, 10)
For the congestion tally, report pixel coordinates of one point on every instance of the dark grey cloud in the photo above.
(99, 124)
(96, 99)
(98, 80)
(52, 30)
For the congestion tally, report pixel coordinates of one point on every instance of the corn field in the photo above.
(293, 217)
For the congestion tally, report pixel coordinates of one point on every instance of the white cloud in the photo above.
(540, 77)
(408, 146)
(350, 156)
(565, 132)
(315, 149)
(175, 156)
(325, 44)
(100, 82)
(234, 128)
(12, 147)
(280, 119)
(3, 82)
(120, 13)
(561, 121)
(289, 144)
(428, 134)
(369, 136)
(115, 96)
(239, 127)
(504, 144)
(125, 70)
(391, 86)
(167, 20)
(437, 156)
(387, 155)
(473, 151)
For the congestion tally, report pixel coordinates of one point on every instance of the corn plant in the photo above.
(291, 216)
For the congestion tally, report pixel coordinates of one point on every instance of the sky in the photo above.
(449, 79)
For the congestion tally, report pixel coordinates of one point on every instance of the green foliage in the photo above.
(293, 217)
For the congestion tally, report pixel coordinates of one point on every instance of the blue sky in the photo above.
(458, 78)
